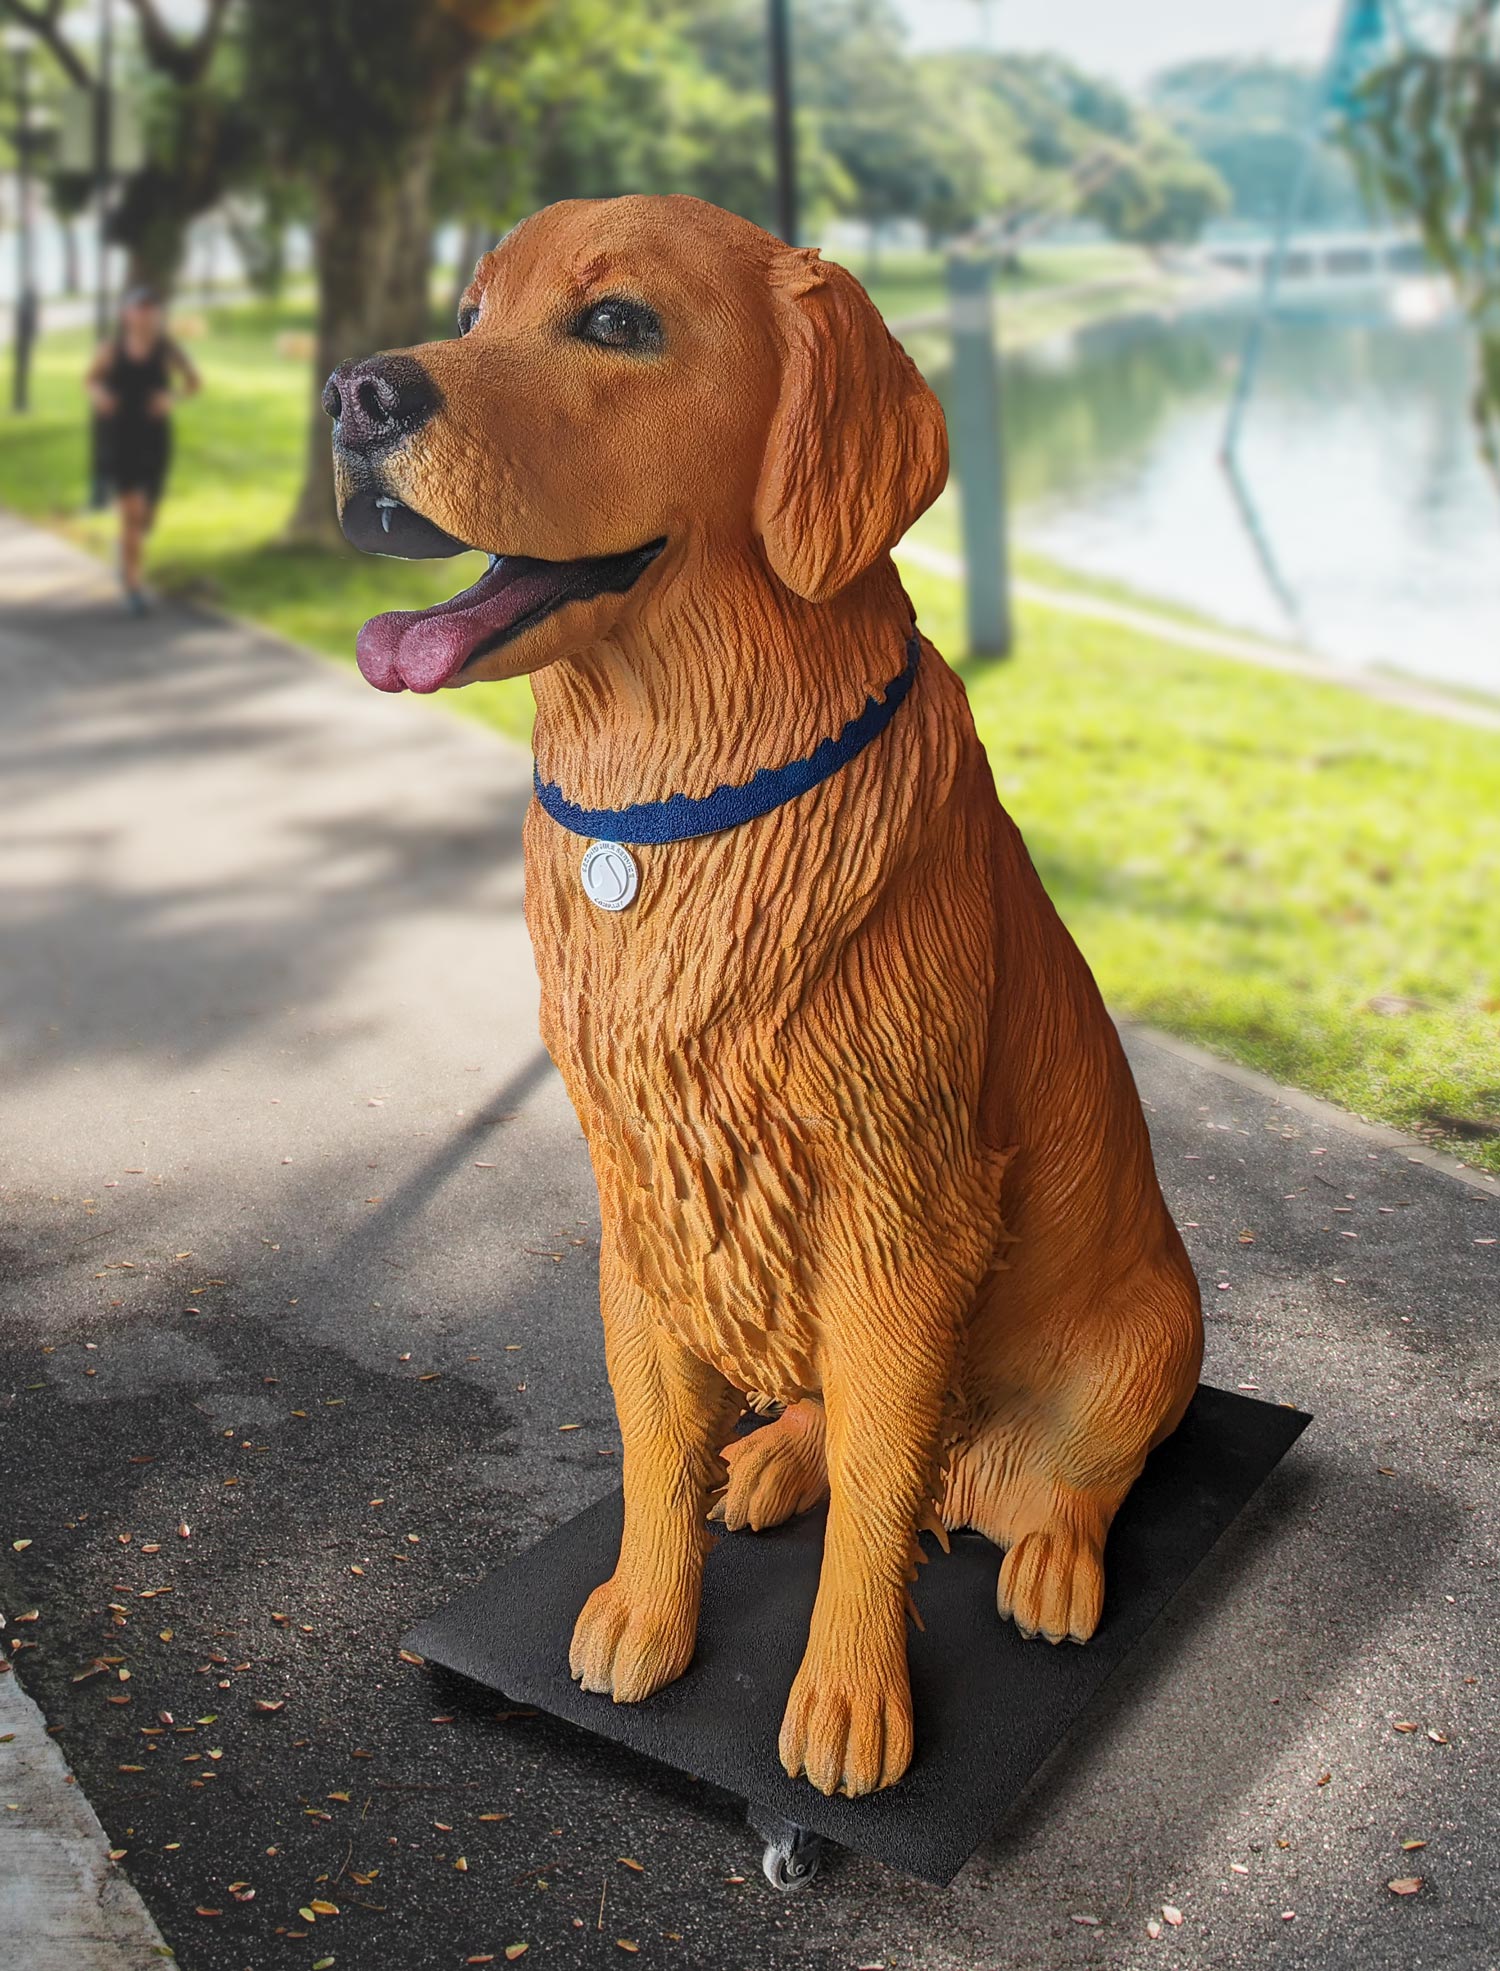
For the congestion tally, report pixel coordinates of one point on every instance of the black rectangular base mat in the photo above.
(989, 1705)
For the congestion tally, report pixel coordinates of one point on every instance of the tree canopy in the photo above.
(1252, 120)
(201, 138)
(672, 95)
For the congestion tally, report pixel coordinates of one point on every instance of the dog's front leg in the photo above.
(848, 1722)
(638, 1628)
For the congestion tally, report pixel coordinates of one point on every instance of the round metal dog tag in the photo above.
(610, 876)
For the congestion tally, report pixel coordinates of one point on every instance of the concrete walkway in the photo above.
(63, 1903)
(297, 1256)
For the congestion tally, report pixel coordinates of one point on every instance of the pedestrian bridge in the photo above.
(1352, 256)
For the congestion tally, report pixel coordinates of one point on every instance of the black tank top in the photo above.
(134, 380)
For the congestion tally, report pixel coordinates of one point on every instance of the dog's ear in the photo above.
(857, 447)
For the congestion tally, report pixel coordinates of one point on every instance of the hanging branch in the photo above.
(1424, 130)
(183, 60)
(45, 22)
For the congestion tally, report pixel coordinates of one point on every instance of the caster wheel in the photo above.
(792, 1859)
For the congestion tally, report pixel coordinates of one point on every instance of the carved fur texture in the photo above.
(866, 1143)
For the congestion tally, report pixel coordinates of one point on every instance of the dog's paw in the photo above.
(626, 1646)
(848, 1729)
(774, 1472)
(1052, 1584)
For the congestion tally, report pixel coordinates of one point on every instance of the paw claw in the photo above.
(774, 1472)
(845, 1736)
(1052, 1585)
(627, 1646)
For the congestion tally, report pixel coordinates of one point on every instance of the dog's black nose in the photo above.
(379, 401)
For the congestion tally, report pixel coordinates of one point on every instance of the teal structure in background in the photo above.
(977, 447)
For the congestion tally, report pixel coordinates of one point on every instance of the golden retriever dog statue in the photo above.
(868, 1151)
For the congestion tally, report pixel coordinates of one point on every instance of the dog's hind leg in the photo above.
(1056, 1439)
(637, 1630)
(776, 1471)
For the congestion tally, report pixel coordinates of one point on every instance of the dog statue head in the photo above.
(641, 389)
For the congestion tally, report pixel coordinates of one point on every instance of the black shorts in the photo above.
(133, 457)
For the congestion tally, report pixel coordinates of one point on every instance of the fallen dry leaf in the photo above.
(629, 1861)
(1153, 1928)
(513, 1951)
(1172, 1915)
(1405, 1885)
(1410, 1846)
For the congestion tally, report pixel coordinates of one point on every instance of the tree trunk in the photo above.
(372, 244)
(412, 314)
(72, 281)
(472, 242)
(156, 262)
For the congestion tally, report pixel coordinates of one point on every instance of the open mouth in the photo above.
(425, 649)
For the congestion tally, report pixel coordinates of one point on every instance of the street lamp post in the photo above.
(19, 49)
(103, 161)
(103, 171)
(780, 38)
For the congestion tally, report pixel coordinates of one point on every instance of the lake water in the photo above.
(1369, 529)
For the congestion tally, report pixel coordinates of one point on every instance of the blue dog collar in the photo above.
(682, 816)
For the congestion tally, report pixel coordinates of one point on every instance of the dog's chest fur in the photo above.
(747, 1049)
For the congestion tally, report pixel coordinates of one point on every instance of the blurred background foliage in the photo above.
(1282, 868)
(1424, 130)
(374, 122)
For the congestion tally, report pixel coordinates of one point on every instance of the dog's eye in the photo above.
(467, 317)
(627, 325)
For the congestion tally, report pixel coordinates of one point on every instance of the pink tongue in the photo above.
(422, 649)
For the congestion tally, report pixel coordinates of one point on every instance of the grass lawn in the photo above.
(1249, 860)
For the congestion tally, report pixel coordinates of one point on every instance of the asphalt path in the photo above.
(298, 1337)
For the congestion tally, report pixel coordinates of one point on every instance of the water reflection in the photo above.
(1373, 531)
